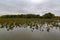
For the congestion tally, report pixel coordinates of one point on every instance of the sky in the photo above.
(29, 6)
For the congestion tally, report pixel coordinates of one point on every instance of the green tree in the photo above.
(48, 15)
(21, 16)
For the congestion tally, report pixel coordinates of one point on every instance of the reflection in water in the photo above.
(48, 29)
(36, 27)
(33, 25)
(35, 31)
(41, 28)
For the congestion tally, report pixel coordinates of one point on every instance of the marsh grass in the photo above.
(26, 21)
(34, 23)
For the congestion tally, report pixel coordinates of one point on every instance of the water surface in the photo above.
(29, 32)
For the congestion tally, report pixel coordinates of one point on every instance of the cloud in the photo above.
(26, 6)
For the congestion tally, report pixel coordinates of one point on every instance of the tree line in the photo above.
(48, 15)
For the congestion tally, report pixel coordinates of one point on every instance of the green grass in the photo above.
(30, 21)
(19, 20)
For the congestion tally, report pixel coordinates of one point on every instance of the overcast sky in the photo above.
(29, 6)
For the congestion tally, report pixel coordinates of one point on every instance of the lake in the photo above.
(31, 31)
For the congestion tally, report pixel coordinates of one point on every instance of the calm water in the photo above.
(35, 32)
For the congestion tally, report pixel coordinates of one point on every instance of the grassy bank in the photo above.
(24, 20)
